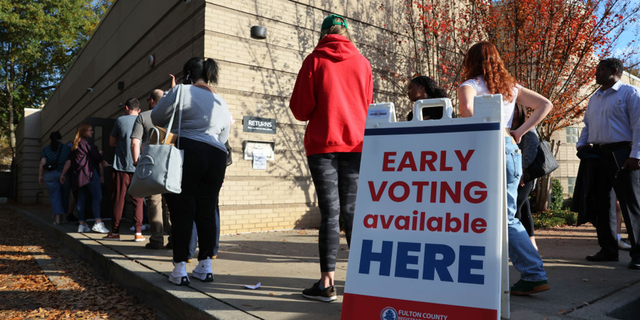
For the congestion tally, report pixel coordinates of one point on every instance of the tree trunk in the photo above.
(543, 185)
(10, 109)
(12, 127)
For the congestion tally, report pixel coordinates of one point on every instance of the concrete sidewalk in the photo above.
(286, 262)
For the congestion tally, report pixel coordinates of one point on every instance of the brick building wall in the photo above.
(256, 79)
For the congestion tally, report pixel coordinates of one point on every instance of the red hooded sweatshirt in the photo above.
(333, 91)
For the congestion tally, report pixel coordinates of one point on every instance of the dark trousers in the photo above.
(626, 185)
(119, 184)
(335, 177)
(202, 175)
(523, 212)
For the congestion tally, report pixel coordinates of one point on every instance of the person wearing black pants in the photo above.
(612, 135)
(626, 184)
(529, 147)
(524, 209)
(203, 124)
(202, 175)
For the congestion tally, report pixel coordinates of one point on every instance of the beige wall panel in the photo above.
(100, 71)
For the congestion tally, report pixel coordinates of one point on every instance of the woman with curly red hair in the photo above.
(485, 73)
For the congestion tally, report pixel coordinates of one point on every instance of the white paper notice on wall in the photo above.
(259, 159)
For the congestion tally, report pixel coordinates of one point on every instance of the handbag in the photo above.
(159, 169)
(543, 164)
(51, 166)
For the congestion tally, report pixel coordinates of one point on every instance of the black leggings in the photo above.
(524, 207)
(335, 177)
(202, 174)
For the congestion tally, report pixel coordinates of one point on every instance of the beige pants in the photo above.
(158, 214)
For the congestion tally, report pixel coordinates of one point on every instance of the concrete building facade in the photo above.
(140, 42)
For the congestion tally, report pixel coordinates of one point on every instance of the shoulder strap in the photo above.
(177, 107)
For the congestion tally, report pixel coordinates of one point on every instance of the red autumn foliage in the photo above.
(553, 46)
(550, 46)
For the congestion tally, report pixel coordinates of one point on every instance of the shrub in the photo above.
(556, 195)
(554, 218)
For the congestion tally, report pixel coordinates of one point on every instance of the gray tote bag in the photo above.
(159, 168)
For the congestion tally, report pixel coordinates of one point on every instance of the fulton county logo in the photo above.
(388, 313)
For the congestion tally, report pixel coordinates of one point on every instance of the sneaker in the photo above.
(154, 245)
(203, 271)
(99, 228)
(179, 274)
(139, 238)
(522, 287)
(112, 236)
(83, 228)
(142, 228)
(326, 295)
(623, 245)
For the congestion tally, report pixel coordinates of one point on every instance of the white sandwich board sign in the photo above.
(427, 238)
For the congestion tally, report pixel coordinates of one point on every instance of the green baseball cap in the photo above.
(331, 21)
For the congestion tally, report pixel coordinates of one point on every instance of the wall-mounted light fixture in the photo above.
(151, 60)
(258, 32)
(90, 90)
(120, 85)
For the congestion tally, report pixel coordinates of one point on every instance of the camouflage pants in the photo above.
(335, 176)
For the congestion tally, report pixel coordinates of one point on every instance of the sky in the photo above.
(625, 42)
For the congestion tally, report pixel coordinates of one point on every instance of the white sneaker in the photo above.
(142, 228)
(179, 274)
(623, 245)
(83, 228)
(99, 228)
(203, 271)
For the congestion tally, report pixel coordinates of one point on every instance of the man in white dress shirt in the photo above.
(612, 131)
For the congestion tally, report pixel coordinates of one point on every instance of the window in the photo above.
(572, 134)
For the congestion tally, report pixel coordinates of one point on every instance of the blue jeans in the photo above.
(523, 255)
(54, 187)
(95, 190)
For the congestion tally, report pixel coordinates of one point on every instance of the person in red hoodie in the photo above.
(333, 91)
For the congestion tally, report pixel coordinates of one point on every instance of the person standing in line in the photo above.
(423, 87)
(204, 129)
(529, 146)
(485, 73)
(123, 170)
(612, 132)
(332, 92)
(87, 175)
(53, 158)
(159, 219)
